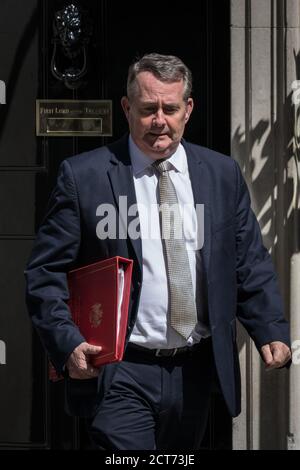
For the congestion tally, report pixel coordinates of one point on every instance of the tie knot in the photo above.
(161, 166)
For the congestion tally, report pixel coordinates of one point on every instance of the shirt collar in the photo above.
(141, 162)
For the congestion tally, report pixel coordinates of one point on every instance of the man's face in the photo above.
(157, 115)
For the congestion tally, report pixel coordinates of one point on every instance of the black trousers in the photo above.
(156, 403)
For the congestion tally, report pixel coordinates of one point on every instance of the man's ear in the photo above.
(125, 105)
(189, 109)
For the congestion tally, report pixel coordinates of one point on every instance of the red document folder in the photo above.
(99, 302)
(99, 305)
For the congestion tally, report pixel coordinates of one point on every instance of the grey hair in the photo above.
(166, 68)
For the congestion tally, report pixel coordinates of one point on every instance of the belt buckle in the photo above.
(157, 353)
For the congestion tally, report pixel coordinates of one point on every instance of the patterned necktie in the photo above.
(183, 313)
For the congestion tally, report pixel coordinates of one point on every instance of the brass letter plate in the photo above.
(63, 118)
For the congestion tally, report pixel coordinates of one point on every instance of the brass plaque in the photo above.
(63, 118)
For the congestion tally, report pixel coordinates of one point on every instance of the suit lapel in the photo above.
(122, 184)
(200, 187)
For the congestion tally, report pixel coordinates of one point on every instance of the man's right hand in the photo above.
(78, 363)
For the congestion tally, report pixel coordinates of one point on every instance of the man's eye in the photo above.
(148, 110)
(170, 110)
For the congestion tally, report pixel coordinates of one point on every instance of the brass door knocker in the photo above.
(72, 30)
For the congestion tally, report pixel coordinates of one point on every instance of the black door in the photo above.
(31, 408)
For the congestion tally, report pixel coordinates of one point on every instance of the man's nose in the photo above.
(159, 119)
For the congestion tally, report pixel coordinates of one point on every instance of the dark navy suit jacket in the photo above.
(239, 277)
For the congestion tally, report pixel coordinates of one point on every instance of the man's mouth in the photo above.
(161, 134)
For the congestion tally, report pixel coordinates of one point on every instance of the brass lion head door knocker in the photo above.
(72, 30)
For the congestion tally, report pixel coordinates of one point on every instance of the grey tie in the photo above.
(183, 313)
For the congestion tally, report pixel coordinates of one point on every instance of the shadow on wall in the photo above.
(270, 162)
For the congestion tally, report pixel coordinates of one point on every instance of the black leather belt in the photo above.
(166, 352)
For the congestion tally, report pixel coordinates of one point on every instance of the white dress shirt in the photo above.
(152, 328)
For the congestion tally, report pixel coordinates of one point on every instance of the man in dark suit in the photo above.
(186, 295)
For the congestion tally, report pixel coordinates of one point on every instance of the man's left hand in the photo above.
(275, 354)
